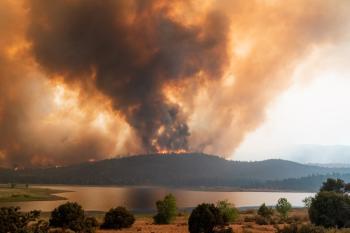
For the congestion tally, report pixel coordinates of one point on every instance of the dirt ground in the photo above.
(145, 225)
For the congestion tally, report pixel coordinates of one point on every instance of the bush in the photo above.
(264, 215)
(265, 211)
(166, 210)
(12, 220)
(330, 209)
(283, 207)
(71, 216)
(90, 224)
(118, 218)
(204, 218)
(68, 216)
(228, 212)
(307, 201)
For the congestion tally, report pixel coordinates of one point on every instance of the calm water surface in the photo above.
(144, 198)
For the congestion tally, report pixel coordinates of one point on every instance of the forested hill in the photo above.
(310, 183)
(193, 169)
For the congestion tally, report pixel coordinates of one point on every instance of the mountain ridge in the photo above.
(190, 170)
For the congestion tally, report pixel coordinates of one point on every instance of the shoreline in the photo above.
(29, 194)
(186, 188)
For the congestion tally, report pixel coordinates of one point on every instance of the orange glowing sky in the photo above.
(233, 78)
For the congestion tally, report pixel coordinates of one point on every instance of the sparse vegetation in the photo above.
(118, 218)
(283, 207)
(166, 210)
(228, 211)
(264, 215)
(328, 213)
(303, 228)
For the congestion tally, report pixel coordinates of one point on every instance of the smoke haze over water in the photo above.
(88, 79)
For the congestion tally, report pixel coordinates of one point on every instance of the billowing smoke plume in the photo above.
(87, 79)
(132, 49)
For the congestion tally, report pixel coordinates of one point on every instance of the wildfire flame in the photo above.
(165, 152)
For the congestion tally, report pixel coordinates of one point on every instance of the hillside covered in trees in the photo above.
(184, 170)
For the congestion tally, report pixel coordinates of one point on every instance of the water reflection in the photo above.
(144, 198)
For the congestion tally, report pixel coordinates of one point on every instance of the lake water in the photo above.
(144, 198)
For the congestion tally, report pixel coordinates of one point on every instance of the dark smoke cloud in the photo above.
(132, 48)
(33, 130)
(91, 79)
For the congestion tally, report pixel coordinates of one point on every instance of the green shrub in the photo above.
(283, 207)
(71, 216)
(228, 211)
(166, 210)
(68, 216)
(264, 215)
(265, 212)
(118, 218)
(330, 209)
(204, 218)
(12, 220)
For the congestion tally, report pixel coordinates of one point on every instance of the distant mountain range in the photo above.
(322, 154)
(333, 155)
(177, 170)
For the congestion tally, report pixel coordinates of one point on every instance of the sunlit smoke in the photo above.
(83, 80)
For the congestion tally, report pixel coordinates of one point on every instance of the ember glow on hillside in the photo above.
(86, 79)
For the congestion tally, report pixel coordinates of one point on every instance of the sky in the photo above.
(86, 80)
(314, 110)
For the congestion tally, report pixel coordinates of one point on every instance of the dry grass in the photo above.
(145, 225)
